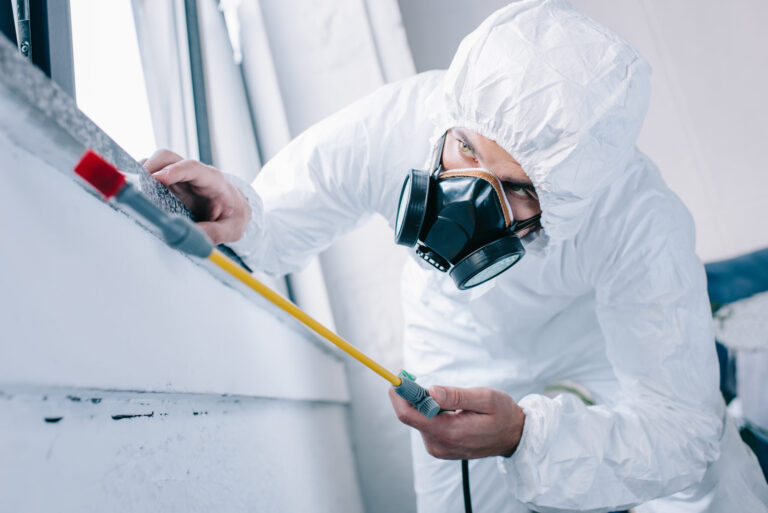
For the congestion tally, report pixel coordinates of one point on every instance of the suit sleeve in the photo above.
(331, 177)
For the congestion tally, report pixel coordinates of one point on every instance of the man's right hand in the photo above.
(220, 208)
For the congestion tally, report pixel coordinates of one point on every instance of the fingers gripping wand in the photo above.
(180, 233)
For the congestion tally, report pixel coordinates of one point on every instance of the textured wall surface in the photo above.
(133, 378)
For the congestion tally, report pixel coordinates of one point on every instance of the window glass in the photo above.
(109, 81)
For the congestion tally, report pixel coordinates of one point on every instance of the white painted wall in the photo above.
(705, 125)
(134, 379)
(90, 298)
(195, 453)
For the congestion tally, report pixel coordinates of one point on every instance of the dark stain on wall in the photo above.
(133, 416)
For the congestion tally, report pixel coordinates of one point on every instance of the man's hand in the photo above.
(221, 210)
(486, 422)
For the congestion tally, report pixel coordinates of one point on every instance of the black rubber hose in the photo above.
(465, 486)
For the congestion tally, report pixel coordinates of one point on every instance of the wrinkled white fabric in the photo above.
(611, 296)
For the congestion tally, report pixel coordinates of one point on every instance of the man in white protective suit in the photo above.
(610, 293)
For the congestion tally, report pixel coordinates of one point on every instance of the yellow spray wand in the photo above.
(180, 233)
(225, 263)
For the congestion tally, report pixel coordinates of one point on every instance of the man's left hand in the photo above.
(486, 422)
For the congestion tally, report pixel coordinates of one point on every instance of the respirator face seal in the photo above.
(459, 221)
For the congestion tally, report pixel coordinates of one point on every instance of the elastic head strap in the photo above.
(532, 222)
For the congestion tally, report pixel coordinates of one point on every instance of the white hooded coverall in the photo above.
(611, 295)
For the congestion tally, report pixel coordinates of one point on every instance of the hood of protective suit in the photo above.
(561, 94)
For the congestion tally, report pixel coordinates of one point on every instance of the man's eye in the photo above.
(465, 149)
(519, 191)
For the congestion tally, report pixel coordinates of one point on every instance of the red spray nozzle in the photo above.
(177, 232)
(100, 174)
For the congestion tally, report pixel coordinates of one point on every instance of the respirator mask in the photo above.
(460, 222)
